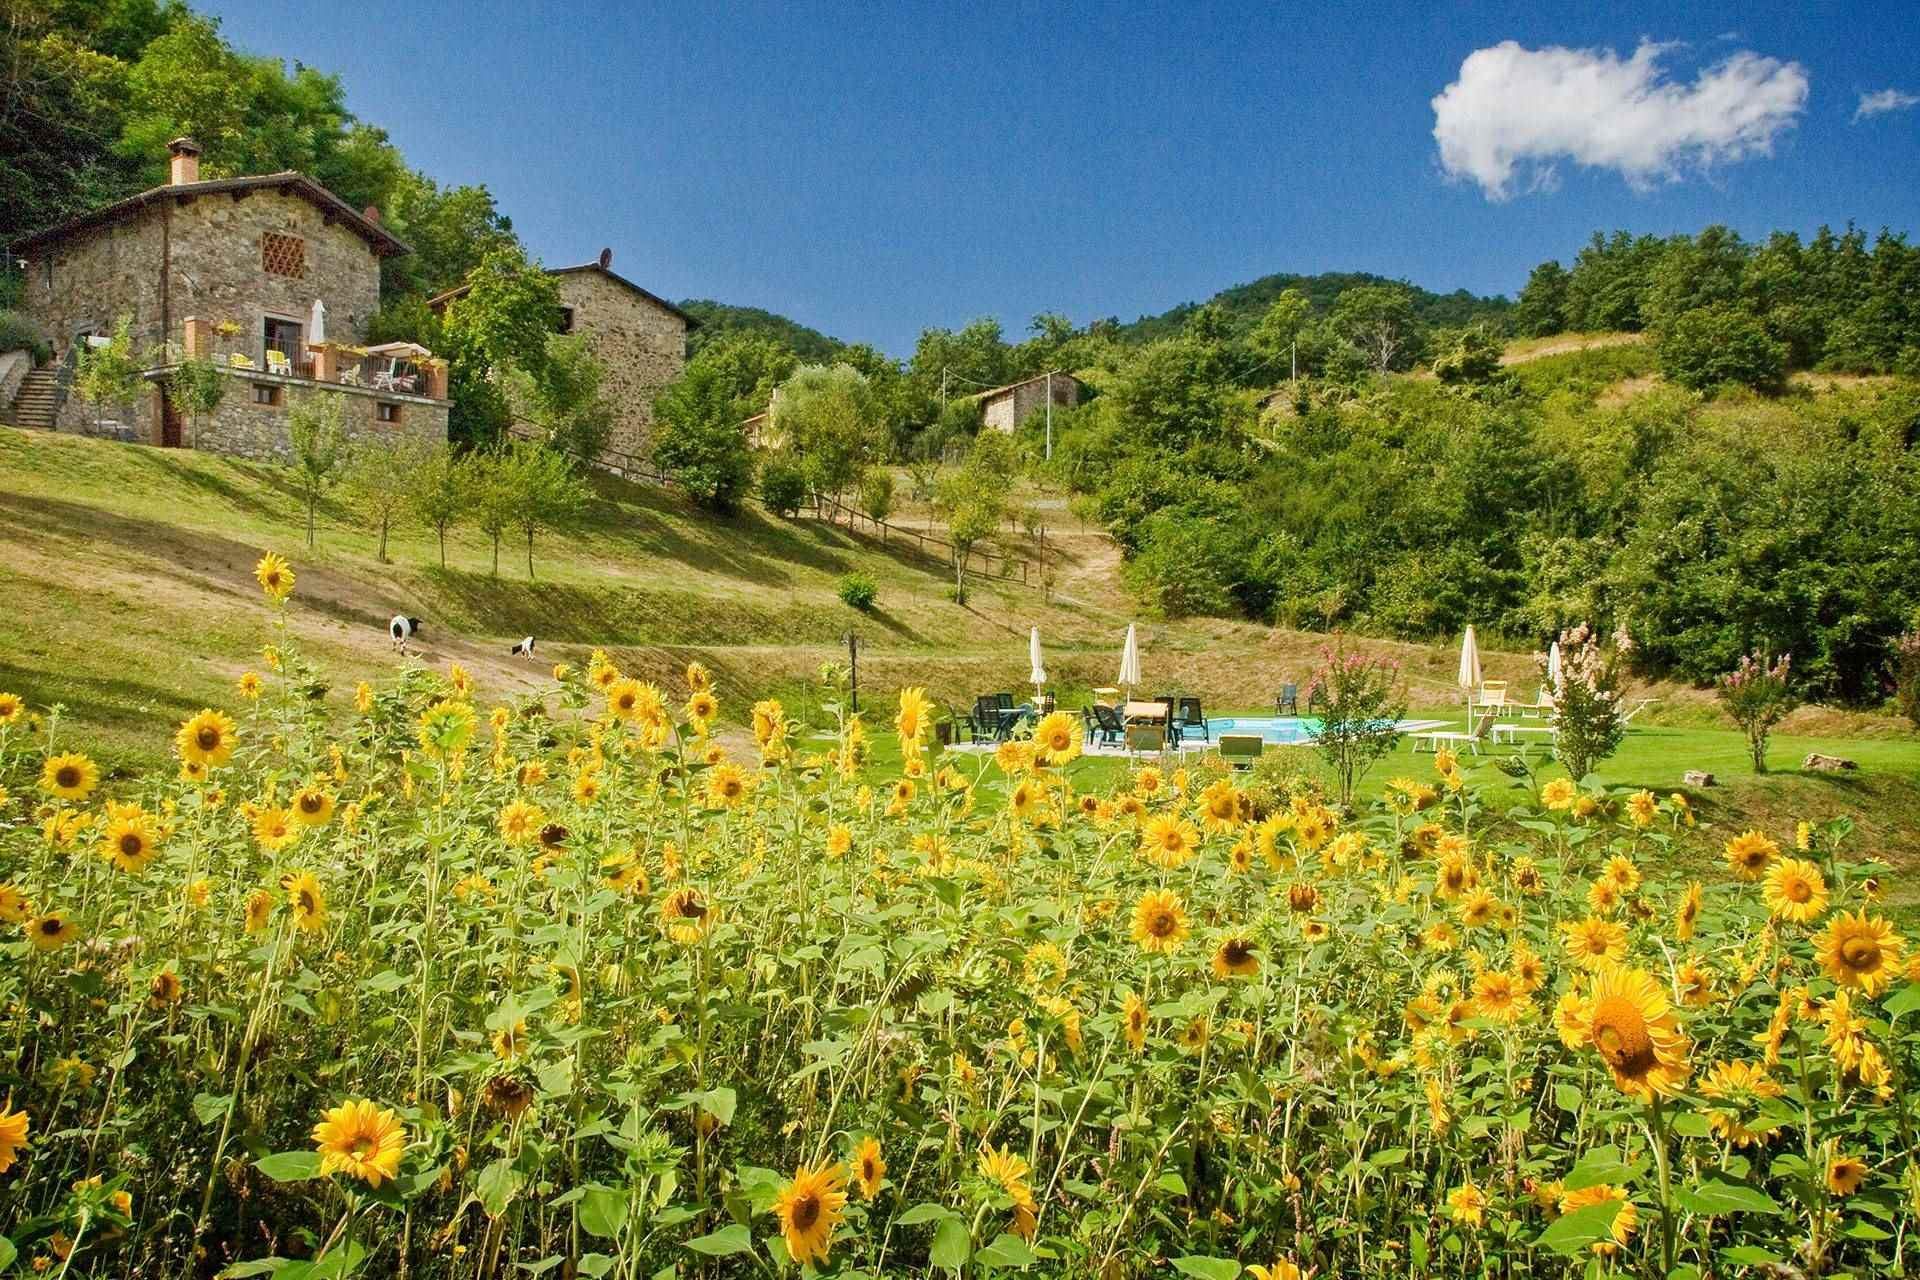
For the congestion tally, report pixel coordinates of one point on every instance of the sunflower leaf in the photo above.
(1572, 1232)
(1202, 1268)
(951, 1244)
(290, 1166)
(723, 1243)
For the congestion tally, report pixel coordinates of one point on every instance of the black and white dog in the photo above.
(403, 629)
(524, 649)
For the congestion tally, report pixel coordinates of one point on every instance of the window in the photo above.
(388, 413)
(566, 321)
(266, 393)
(283, 255)
(282, 336)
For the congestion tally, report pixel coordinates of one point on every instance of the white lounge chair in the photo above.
(1437, 738)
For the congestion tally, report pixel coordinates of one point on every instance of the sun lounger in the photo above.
(1434, 739)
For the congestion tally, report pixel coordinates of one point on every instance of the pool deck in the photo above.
(1187, 746)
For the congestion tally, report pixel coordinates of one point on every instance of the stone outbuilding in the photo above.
(639, 338)
(1005, 408)
(239, 271)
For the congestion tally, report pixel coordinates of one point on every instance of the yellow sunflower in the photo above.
(275, 577)
(130, 841)
(12, 706)
(249, 685)
(1625, 1219)
(165, 989)
(360, 1139)
(14, 1128)
(1501, 997)
(1159, 922)
(1860, 951)
(71, 776)
(1795, 891)
(1749, 853)
(869, 1167)
(913, 718)
(207, 739)
(1559, 794)
(1467, 1203)
(685, 915)
(51, 931)
(1845, 1173)
(313, 806)
(274, 828)
(839, 841)
(1594, 942)
(701, 708)
(520, 822)
(1168, 841)
(1058, 735)
(727, 787)
(308, 900)
(1220, 806)
(14, 907)
(1284, 1269)
(1740, 1089)
(259, 910)
(1134, 1020)
(1235, 958)
(1687, 916)
(1642, 808)
(698, 678)
(1632, 1026)
(809, 1208)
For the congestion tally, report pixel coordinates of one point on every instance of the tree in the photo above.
(1720, 345)
(830, 421)
(1542, 308)
(1469, 355)
(697, 438)
(487, 480)
(451, 231)
(1175, 394)
(1362, 701)
(437, 494)
(545, 492)
(973, 501)
(1757, 696)
(110, 374)
(1276, 337)
(319, 445)
(564, 401)
(501, 324)
(1588, 722)
(1380, 321)
(876, 495)
(380, 481)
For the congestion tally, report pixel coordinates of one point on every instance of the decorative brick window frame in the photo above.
(283, 255)
(274, 397)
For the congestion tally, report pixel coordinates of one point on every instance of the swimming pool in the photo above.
(1287, 731)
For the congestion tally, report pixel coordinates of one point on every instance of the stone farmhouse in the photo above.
(1005, 408)
(639, 338)
(271, 277)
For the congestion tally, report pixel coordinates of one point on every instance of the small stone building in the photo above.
(236, 270)
(639, 338)
(1005, 408)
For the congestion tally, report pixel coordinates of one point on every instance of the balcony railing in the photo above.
(337, 363)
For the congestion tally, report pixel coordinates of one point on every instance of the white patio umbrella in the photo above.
(1469, 678)
(1553, 665)
(317, 325)
(1130, 662)
(1039, 675)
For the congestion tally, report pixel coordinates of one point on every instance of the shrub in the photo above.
(1362, 701)
(1586, 700)
(1757, 696)
(783, 486)
(876, 494)
(1717, 346)
(20, 333)
(858, 590)
(1906, 676)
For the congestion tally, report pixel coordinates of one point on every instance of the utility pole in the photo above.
(853, 670)
(1049, 415)
(943, 388)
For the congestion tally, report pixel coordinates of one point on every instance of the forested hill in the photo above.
(721, 320)
(1244, 304)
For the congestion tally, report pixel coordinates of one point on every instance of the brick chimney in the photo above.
(185, 161)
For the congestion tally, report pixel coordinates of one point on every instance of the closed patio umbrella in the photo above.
(1469, 678)
(1553, 666)
(1039, 674)
(1130, 662)
(317, 324)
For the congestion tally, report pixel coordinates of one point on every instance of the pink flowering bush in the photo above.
(1360, 701)
(1587, 718)
(1758, 696)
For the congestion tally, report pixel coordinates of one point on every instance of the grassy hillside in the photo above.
(720, 319)
(1244, 304)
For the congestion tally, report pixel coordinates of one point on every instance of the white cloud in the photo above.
(1514, 112)
(1881, 102)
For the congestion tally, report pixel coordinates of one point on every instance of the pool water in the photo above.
(1288, 731)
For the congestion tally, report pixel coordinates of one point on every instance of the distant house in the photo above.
(238, 270)
(639, 338)
(1005, 408)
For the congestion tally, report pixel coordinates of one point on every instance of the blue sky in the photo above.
(873, 170)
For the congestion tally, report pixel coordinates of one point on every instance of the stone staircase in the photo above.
(34, 404)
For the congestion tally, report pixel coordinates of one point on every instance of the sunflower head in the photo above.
(275, 577)
(1235, 958)
(1860, 951)
(809, 1208)
(362, 1140)
(1159, 922)
(1631, 1025)
(869, 1167)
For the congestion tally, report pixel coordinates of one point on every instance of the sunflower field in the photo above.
(570, 987)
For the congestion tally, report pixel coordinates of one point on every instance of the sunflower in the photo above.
(869, 1167)
(11, 708)
(14, 907)
(1501, 997)
(308, 900)
(446, 728)
(1559, 794)
(727, 787)
(1529, 970)
(586, 786)
(1749, 853)
(1603, 897)
(313, 806)
(701, 708)
(71, 776)
(1148, 780)
(51, 930)
(1454, 876)
(1168, 841)
(259, 909)
(809, 1208)
(1194, 1036)
(510, 1041)
(1694, 982)
(1467, 1203)
(1594, 942)
(1795, 891)
(1687, 915)
(1741, 1088)
(275, 577)
(130, 841)
(1631, 1025)
(839, 841)
(1302, 897)
(1023, 799)
(206, 739)
(1159, 922)
(274, 828)
(1625, 1218)
(1478, 907)
(1134, 1020)
(1220, 806)
(361, 1139)
(1058, 735)
(165, 989)
(1845, 1173)
(1642, 808)
(1860, 951)
(1315, 930)
(685, 915)
(911, 721)
(520, 822)
(14, 1127)
(1281, 1270)
(1235, 958)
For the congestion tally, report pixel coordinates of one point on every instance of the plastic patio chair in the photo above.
(1110, 727)
(1288, 703)
(1191, 717)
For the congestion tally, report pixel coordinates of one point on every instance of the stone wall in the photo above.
(641, 345)
(1008, 409)
(249, 430)
(86, 283)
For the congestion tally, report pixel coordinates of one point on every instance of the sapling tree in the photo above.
(1361, 701)
(1757, 695)
(437, 494)
(319, 445)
